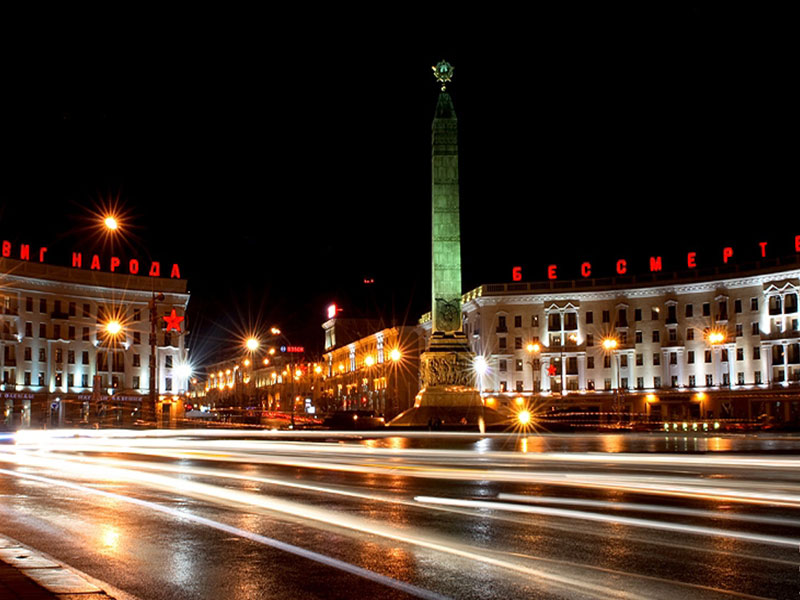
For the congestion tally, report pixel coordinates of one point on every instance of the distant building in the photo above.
(60, 366)
(722, 343)
(370, 367)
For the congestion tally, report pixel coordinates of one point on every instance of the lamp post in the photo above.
(112, 328)
(611, 345)
(715, 339)
(534, 348)
(395, 356)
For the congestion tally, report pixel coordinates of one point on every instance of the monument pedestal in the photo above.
(448, 398)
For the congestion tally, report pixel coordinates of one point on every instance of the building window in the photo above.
(638, 337)
(42, 355)
(753, 303)
(519, 386)
(672, 316)
(56, 332)
(674, 381)
(28, 329)
(639, 383)
(590, 385)
(42, 305)
(137, 337)
(757, 353)
(84, 380)
(70, 380)
(692, 381)
(41, 379)
(607, 384)
(657, 382)
(673, 334)
(501, 343)
(503, 365)
(534, 320)
(137, 314)
(637, 314)
(673, 358)
(42, 330)
(501, 324)
(571, 321)
(737, 305)
(740, 379)
(708, 356)
(85, 334)
(606, 316)
(757, 376)
(59, 356)
(709, 380)
(623, 361)
(654, 314)
(590, 362)
(639, 360)
(71, 309)
(589, 317)
(168, 384)
(168, 361)
(27, 378)
(706, 309)
(503, 386)
(85, 357)
(554, 321)
(724, 355)
(71, 357)
(740, 354)
(87, 310)
(517, 343)
(739, 330)
(589, 339)
(136, 360)
(656, 360)
(656, 336)
(623, 383)
(71, 333)
(518, 365)
(689, 334)
(756, 330)
(606, 361)
(135, 382)
(28, 304)
(623, 337)
(689, 310)
(690, 357)
(27, 353)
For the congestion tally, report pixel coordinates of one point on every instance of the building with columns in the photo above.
(715, 343)
(59, 364)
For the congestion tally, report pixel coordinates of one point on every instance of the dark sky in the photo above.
(279, 172)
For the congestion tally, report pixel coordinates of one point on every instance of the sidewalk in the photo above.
(29, 575)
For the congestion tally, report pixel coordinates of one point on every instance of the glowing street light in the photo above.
(275, 331)
(252, 344)
(610, 344)
(395, 355)
(111, 223)
(113, 327)
(480, 365)
(716, 337)
(533, 347)
(369, 360)
(524, 417)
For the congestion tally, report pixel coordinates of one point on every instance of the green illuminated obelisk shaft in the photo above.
(446, 239)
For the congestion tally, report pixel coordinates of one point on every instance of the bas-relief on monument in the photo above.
(448, 395)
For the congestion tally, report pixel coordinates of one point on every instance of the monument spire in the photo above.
(448, 396)
(446, 238)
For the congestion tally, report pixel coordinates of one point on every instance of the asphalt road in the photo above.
(181, 514)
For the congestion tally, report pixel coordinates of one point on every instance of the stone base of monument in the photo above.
(449, 407)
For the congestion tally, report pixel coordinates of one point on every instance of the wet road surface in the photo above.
(210, 514)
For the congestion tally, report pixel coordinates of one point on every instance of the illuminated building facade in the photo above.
(721, 343)
(60, 364)
(376, 371)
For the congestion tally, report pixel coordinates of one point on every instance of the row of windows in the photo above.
(672, 336)
(570, 319)
(62, 308)
(571, 361)
(572, 384)
(102, 357)
(70, 330)
(84, 381)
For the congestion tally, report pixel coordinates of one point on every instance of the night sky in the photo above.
(280, 175)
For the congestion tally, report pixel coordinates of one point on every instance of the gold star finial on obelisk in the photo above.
(443, 72)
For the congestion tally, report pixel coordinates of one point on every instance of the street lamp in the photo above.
(611, 345)
(395, 356)
(533, 348)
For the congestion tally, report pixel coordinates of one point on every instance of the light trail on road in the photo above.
(445, 504)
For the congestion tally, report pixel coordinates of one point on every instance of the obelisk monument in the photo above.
(448, 396)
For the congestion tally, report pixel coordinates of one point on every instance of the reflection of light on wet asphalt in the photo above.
(63, 455)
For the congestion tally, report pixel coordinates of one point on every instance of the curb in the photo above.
(55, 580)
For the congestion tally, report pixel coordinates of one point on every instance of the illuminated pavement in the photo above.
(177, 514)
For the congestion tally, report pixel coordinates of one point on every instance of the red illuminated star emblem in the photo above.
(551, 369)
(173, 321)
